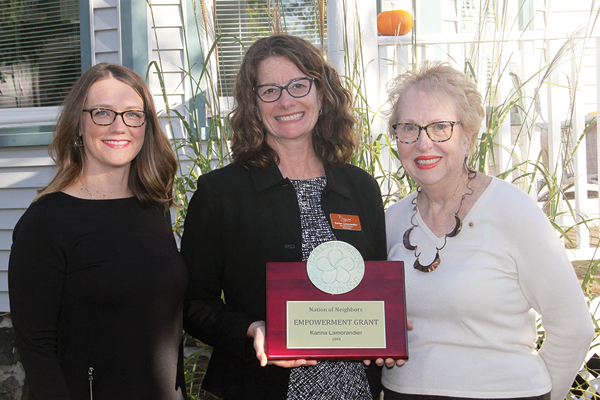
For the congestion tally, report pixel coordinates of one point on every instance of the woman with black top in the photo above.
(95, 279)
(292, 139)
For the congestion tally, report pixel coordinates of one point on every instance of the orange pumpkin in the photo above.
(394, 22)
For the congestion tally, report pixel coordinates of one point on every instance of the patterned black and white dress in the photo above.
(343, 380)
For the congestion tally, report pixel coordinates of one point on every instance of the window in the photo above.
(40, 52)
(241, 22)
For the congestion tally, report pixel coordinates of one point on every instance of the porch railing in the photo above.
(541, 95)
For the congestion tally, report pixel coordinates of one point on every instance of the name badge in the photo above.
(346, 222)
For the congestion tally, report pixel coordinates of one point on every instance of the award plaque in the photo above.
(336, 306)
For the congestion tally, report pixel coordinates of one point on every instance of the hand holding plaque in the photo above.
(258, 333)
(336, 306)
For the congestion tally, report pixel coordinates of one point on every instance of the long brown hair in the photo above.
(332, 137)
(152, 171)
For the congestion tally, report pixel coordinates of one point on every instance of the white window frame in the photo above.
(28, 116)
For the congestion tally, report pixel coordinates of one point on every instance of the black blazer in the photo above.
(237, 220)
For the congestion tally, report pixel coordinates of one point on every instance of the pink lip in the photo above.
(428, 166)
(120, 145)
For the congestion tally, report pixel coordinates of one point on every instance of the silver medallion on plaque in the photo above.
(335, 267)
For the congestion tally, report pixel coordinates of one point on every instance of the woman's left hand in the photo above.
(390, 362)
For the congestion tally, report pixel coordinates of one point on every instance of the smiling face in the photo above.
(112, 147)
(432, 163)
(289, 119)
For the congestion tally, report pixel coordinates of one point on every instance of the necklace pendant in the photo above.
(430, 267)
(406, 239)
(455, 231)
(457, 227)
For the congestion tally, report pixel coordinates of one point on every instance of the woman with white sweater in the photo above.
(485, 259)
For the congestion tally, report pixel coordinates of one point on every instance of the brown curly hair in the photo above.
(152, 171)
(440, 77)
(332, 137)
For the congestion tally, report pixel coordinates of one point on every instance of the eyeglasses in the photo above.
(297, 88)
(105, 117)
(440, 131)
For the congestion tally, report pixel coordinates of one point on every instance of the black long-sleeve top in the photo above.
(237, 220)
(97, 283)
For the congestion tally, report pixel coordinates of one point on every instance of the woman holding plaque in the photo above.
(480, 259)
(292, 137)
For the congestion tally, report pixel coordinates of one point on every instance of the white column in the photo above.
(352, 37)
(338, 23)
(579, 157)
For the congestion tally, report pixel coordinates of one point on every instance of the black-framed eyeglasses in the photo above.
(297, 88)
(105, 117)
(439, 131)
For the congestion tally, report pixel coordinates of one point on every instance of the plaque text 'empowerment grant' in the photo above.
(335, 324)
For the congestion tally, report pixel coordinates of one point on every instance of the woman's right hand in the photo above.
(257, 331)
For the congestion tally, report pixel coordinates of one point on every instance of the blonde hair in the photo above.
(436, 77)
(152, 171)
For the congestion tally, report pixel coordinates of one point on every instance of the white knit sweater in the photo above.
(474, 320)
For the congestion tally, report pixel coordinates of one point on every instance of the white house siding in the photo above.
(23, 170)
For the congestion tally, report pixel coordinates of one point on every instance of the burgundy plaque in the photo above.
(336, 318)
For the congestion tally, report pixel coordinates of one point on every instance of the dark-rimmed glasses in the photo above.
(439, 131)
(105, 117)
(297, 88)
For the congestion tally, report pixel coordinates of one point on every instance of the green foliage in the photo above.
(195, 369)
